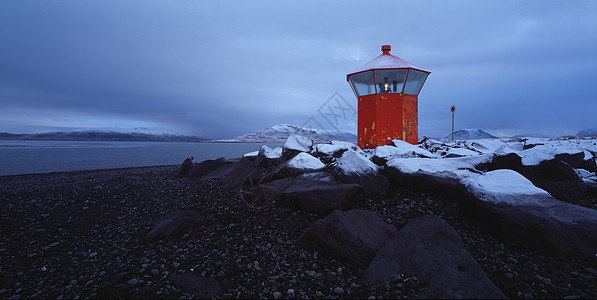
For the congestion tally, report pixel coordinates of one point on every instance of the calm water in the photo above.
(25, 157)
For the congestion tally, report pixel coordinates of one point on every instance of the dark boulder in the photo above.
(202, 288)
(234, 174)
(448, 187)
(174, 224)
(318, 192)
(200, 169)
(589, 164)
(431, 249)
(556, 177)
(547, 225)
(266, 193)
(355, 235)
(186, 166)
(510, 161)
(574, 160)
(374, 185)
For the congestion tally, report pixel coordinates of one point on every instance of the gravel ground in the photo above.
(80, 235)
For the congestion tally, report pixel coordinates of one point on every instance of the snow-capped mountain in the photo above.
(108, 134)
(588, 132)
(279, 134)
(469, 134)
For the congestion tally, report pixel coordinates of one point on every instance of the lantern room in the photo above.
(387, 88)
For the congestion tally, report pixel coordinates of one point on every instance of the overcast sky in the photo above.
(224, 68)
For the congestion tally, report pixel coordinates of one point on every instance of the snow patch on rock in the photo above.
(353, 163)
(504, 187)
(298, 142)
(454, 168)
(305, 161)
(271, 153)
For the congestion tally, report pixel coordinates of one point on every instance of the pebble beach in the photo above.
(78, 235)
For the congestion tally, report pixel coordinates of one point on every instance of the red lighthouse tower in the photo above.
(387, 88)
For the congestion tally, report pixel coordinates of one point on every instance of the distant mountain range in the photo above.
(279, 134)
(106, 134)
(588, 132)
(470, 134)
(473, 134)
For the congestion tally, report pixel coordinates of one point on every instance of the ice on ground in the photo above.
(271, 153)
(305, 161)
(298, 142)
(354, 163)
(504, 187)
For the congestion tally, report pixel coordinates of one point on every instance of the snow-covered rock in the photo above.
(504, 186)
(353, 163)
(298, 143)
(539, 153)
(328, 149)
(305, 161)
(267, 156)
(251, 155)
(452, 168)
(459, 152)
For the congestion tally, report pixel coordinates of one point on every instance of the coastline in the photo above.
(80, 233)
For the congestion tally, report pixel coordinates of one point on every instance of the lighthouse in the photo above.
(387, 88)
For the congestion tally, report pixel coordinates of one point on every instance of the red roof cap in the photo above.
(386, 61)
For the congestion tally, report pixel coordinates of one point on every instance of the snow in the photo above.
(354, 163)
(584, 174)
(348, 145)
(486, 145)
(453, 168)
(461, 152)
(271, 153)
(251, 154)
(548, 151)
(391, 152)
(407, 148)
(504, 187)
(328, 149)
(305, 161)
(298, 142)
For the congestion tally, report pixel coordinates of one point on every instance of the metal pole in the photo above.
(452, 109)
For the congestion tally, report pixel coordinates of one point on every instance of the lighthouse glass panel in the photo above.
(390, 81)
(414, 82)
(363, 83)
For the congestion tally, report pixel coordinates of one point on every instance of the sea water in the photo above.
(25, 157)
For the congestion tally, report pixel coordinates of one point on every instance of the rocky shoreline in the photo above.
(81, 235)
